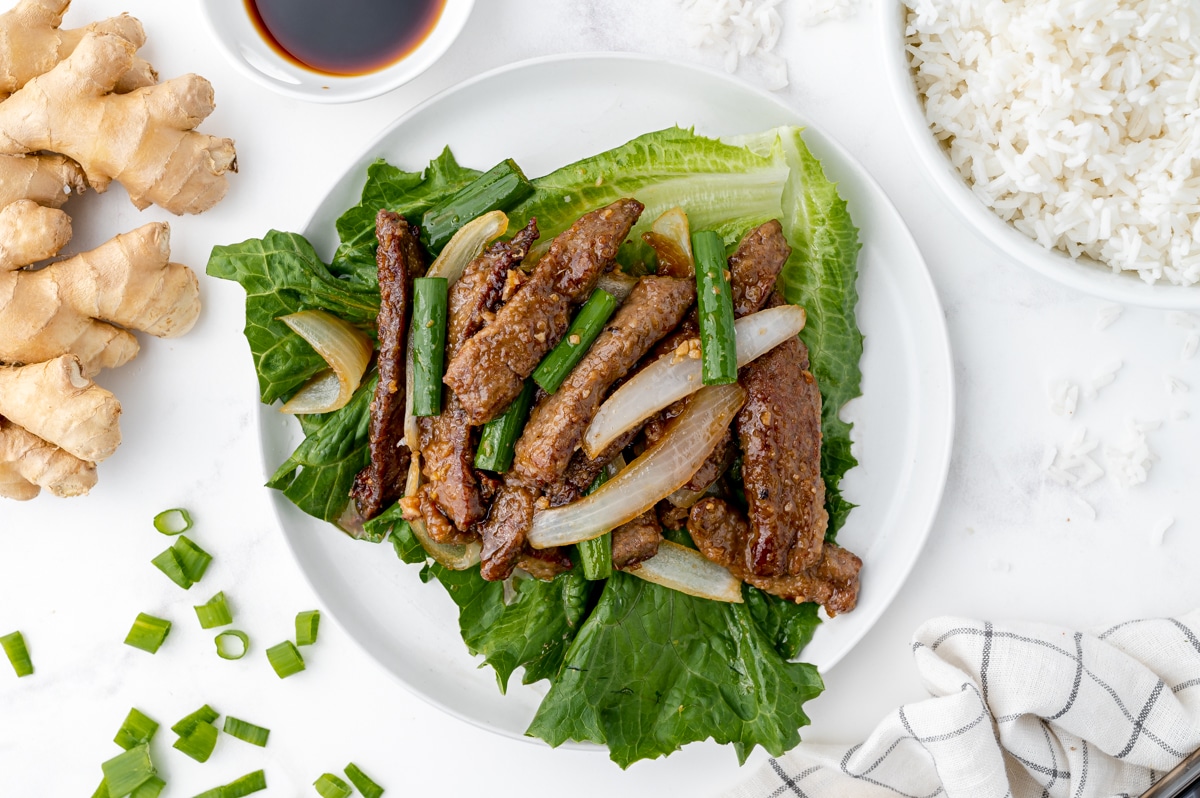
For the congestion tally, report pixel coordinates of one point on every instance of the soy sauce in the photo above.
(345, 37)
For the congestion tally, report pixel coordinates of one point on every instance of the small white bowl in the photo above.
(249, 51)
(1083, 274)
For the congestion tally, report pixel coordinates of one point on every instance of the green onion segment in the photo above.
(714, 301)
(595, 555)
(102, 790)
(204, 714)
(362, 782)
(214, 612)
(148, 633)
(250, 783)
(330, 786)
(285, 659)
(500, 188)
(151, 788)
(193, 559)
(430, 306)
(306, 627)
(499, 436)
(135, 730)
(247, 732)
(128, 770)
(224, 650)
(586, 325)
(168, 562)
(199, 741)
(17, 653)
(173, 521)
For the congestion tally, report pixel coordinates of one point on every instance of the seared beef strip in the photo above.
(636, 541)
(755, 266)
(488, 372)
(670, 516)
(582, 471)
(544, 564)
(399, 259)
(446, 445)
(503, 533)
(436, 523)
(779, 430)
(557, 423)
(720, 532)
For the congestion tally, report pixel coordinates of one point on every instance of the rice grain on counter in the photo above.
(1078, 122)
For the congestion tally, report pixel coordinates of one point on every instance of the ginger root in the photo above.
(48, 180)
(28, 464)
(57, 403)
(144, 139)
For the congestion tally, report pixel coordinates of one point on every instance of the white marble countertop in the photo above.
(1007, 543)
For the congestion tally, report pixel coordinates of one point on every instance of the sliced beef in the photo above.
(504, 531)
(447, 448)
(720, 532)
(636, 541)
(399, 259)
(488, 372)
(672, 517)
(779, 431)
(557, 423)
(544, 564)
(582, 471)
(755, 266)
(437, 524)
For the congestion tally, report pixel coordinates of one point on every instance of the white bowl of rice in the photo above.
(1067, 133)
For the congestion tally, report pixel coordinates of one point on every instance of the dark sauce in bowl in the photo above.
(345, 37)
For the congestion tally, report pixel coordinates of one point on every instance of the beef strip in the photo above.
(556, 425)
(437, 524)
(636, 541)
(670, 516)
(582, 471)
(720, 532)
(399, 259)
(779, 430)
(503, 533)
(544, 564)
(447, 448)
(755, 266)
(488, 372)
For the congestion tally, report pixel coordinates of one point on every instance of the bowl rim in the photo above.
(1085, 274)
(337, 89)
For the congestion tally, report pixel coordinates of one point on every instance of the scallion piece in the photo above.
(129, 770)
(102, 790)
(224, 650)
(714, 300)
(499, 436)
(595, 555)
(215, 792)
(250, 783)
(192, 559)
(214, 612)
(137, 729)
(173, 521)
(168, 562)
(151, 788)
(500, 188)
(362, 783)
(17, 653)
(306, 627)
(285, 659)
(255, 735)
(587, 324)
(430, 302)
(204, 714)
(330, 786)
(199, 742)
(148, 633)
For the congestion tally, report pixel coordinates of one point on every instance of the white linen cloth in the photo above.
(1023, 710)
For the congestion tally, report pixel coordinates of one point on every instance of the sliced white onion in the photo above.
(672, 377)
(689, 571)
(463, 247)
(658, 472)
(455, 556)
(344, 347)
(671, 241)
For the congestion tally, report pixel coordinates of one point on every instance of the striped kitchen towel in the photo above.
(1023, 710)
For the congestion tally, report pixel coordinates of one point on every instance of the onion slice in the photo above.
(672, 377)
(689, 571)
(455, 556)
(344, 347)
(657, 473)
(463, 247)
(671, 240)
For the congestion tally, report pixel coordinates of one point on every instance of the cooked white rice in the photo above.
(1078, 121)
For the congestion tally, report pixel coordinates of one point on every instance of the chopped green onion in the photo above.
(193, 559)
(588, 323)
(204, 714)
(199, 741)
(223, 648)
(500, 188)
(430, 301)
(129, 770)
(499, 436)
(250, 783)
(368, 788)
(714, 301)
(173, 521)
(214, 612)
(285, 659)
(595, 555)
(168, 562)
(255, 735)
(148, 633)
(306, 627)
(151, 788)
(17, 653)
(102, 790)
(330, 786)
(215, 792)
(136, 729)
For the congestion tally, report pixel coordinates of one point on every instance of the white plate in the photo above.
(546, 113)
